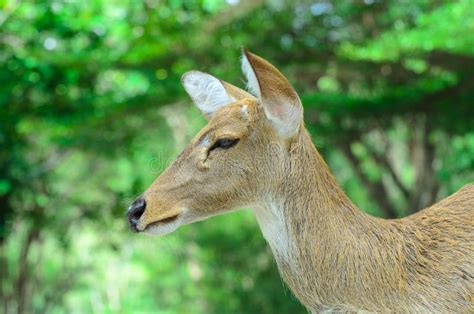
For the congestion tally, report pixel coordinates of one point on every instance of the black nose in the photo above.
(135, 211)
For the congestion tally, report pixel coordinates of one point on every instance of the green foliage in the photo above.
(91, 111)
(448, 28)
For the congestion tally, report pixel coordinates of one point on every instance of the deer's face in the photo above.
(233, 161)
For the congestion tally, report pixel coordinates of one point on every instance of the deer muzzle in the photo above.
(153, 215)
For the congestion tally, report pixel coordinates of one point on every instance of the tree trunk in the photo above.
(22, 281)
(425, 187)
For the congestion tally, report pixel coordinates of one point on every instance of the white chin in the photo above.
(160, 228)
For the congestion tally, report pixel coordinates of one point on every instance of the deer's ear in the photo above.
(280, 101)
(209, 93)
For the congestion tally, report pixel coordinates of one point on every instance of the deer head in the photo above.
(235, 160)
(255, 152)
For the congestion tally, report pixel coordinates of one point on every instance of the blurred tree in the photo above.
(91, 110)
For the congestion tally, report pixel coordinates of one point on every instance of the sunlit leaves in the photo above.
(449, 28)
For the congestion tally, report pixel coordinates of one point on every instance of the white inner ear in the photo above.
(284, 113)
(206, 91)
(252, 82)
(288, 126)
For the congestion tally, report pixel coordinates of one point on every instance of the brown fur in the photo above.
(348, 260)
(332, 255)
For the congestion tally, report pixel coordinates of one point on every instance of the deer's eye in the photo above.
(224, 143)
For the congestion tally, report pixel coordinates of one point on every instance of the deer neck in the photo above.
(308, 219)
(305, 204)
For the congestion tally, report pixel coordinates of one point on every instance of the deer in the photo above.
(255, 152)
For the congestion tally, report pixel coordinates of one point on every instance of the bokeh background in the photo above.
(92, 110)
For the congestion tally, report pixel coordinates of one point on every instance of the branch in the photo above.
(453, 62)
(376, 190)
(383, 162)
